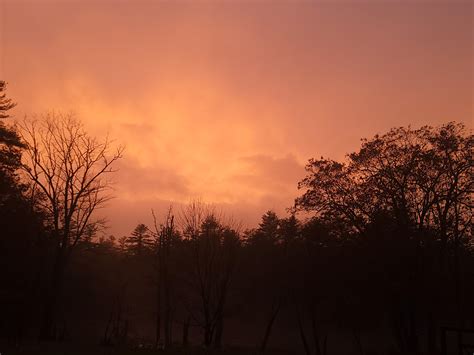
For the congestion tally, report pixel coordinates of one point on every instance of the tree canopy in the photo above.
(423, 178)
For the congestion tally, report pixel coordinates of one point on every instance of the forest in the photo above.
(376, 256)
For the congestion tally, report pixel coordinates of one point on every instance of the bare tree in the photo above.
(214, 244)
(69, 169)
(164, 235)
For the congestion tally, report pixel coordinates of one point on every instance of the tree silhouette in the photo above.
(267, 232)
(213, 248)
(420, 183)
(140, 240)
(69, 168)
(166, 236)
(21, 229)
(10, 142)
(10, 149)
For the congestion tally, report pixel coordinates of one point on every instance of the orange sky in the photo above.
(226, 100)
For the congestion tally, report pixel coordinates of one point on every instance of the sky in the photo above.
(225, 101)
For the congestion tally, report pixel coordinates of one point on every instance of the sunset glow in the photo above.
(216, 99)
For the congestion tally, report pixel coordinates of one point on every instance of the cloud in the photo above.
(267, 169)
(137, 182)
(124, 214)
(261, 176)
(268, 183)
(226, 101)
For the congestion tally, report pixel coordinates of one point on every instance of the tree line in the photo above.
(376, 254)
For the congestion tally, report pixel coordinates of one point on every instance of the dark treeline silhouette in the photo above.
(375, 257)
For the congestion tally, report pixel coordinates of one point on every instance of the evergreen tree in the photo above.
(20, 228)
(10, 149)
(140, 241)
(289, 230)
(268, 230)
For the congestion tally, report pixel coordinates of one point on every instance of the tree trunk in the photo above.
(219, 332)
(158, 315)
(48, 326)
(208, 335)
(315, 333)
(357, 341)
(457, 281)
(269, 327)
(167, 306)
(186, 332)
(413, 335)
(432, 336)
(302, 334)
(159, 286)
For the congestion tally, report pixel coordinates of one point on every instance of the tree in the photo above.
(20, 229)
(165, 237)
(213, 253)
(420, 177)
(69, 169)
(10, 146)
(5, 103)
(268, 231)
(425, 179)
(10, 151)
(140, 241)
(418, 184)
(289, 230)
(10, 142)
